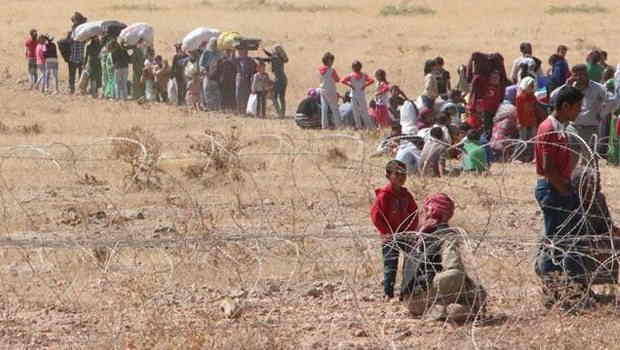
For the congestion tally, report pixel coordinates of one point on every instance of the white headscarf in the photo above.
(527, 84)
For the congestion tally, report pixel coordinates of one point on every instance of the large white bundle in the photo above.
(132, 34)
(409, 118)
(86, 31)
(198, 37)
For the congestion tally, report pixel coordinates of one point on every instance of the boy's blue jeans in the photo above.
(391, 252)
(562, 222)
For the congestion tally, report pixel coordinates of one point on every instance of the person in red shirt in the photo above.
(526, 114)
(559, 203)
(395, 215)
(31, 46)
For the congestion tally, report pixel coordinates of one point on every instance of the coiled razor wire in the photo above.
(471, 242)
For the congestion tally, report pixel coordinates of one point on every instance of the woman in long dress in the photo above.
(107, 69)
(228, 82)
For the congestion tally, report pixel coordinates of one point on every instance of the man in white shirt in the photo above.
(526, 58)
(409, 152)
(595, 96)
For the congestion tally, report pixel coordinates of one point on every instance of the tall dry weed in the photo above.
(141, 150)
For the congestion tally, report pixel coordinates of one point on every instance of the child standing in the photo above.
(358, 82)
(148, 81)
(261, 84)
(526, 114)
(162, 76)
(51, 63)
(442, 76)
(147, 77)
(192, 73)
(329, 93)
(382, 97)
(431, 89)
(39, 54)
(394, 214)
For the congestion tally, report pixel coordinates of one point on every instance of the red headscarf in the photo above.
(439, 209)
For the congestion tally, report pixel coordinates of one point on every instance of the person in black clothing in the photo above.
(51, 63)
(308, 114)
(120, 59)
(93, 65)
(178, 72)
(228, 82)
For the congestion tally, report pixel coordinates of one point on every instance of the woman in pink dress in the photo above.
(382, 97)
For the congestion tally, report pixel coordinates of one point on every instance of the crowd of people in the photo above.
(559, 119)
(576, 251)
(206, 79)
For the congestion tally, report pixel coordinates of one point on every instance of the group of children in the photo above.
(383, 109)
(42, 56)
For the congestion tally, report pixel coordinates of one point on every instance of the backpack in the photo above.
(484, 64)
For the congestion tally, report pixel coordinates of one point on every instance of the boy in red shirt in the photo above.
(394, 214)
(559, 203)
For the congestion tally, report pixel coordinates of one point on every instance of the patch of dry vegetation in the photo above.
(220, 154)
(148, 6)
(119, 249)
(576, 9)
(139, 149)
(406, 8)
(287, 6)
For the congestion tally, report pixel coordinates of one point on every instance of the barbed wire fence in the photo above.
(308, 240)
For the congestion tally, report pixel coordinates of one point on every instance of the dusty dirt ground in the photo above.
(266, 244)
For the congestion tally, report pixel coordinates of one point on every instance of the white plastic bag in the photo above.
(198, 37)
(173, 92)
(252, 105)
(132, 34)
(86, 31)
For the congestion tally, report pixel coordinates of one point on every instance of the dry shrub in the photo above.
(405, 8)
(29, 129)
(580, 8)
(285, 6)
(90, 180)
(336, 154)
(4, 129)
(147, 6)
(221, 154)
(247, 338)
(144, 172)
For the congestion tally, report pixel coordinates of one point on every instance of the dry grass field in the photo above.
(273, 221)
